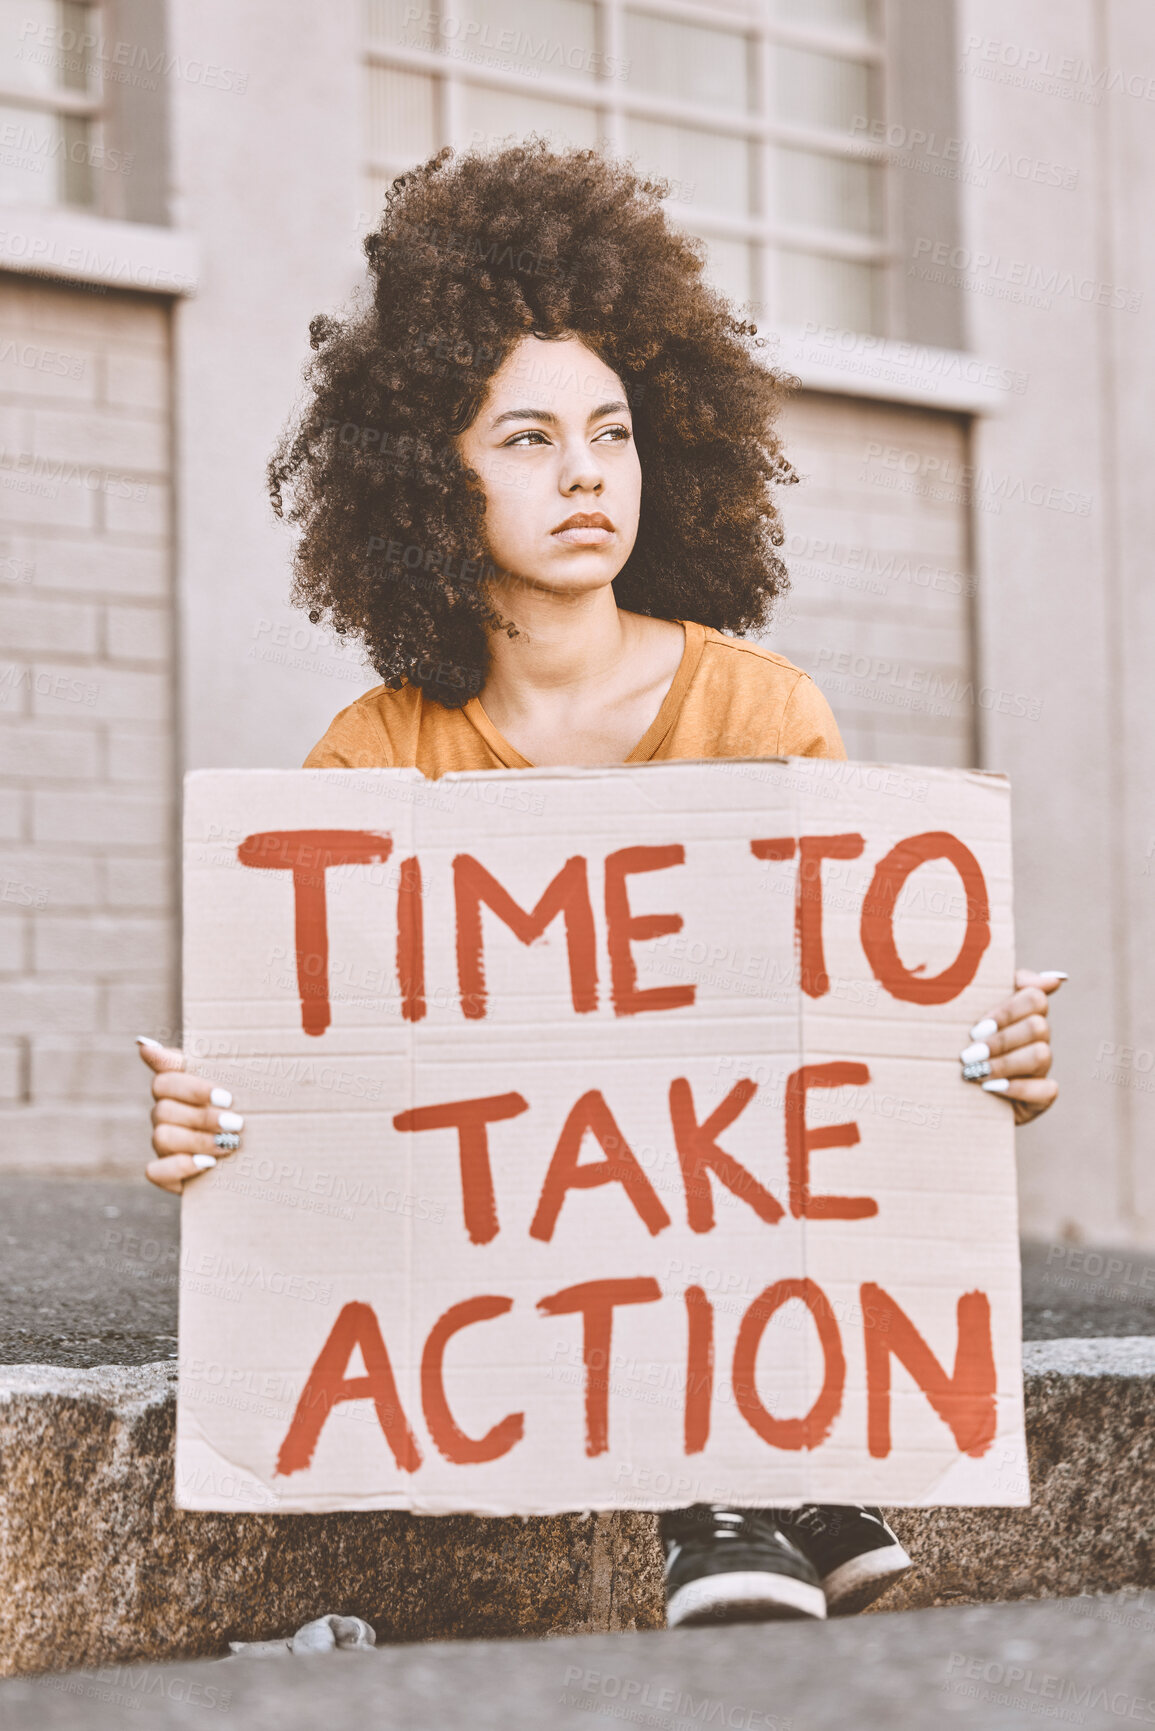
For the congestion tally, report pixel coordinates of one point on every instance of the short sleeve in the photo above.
(354, 739)
(808, 725)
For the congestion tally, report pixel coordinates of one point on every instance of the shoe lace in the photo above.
(723, 1524)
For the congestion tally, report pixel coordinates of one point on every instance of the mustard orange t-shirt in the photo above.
(727, 699)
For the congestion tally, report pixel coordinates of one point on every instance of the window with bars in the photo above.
(758, 112)
(51, 143)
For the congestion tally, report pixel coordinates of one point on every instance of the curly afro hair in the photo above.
(472, 253)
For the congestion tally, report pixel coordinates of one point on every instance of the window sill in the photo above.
(849, 363)
(71, 246)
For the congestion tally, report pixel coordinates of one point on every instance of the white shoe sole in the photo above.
(743, 1596)
(859, 1581)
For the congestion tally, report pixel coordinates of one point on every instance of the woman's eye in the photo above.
(534, 435)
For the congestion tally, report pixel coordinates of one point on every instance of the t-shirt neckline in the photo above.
(647, 745)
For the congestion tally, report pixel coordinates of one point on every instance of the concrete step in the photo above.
(97, 1568)
(1084, 1661)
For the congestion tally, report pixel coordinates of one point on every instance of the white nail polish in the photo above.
(143, 1040)
(974, 1054)
(1052, 974)
(202, 1162)
(984, 1029)
(230, 1121)
(997, 1085)
(220, 1097)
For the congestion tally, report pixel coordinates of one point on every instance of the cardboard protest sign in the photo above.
(605, 1140)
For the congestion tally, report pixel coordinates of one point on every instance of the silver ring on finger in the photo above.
(227, 1141)
(977, 1072)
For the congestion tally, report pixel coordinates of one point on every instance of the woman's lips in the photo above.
(588, 536)
(585, 529)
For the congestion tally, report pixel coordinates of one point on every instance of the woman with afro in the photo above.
(535, 478)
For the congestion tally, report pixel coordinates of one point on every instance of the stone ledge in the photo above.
(1092, 1461)
(97, 1567)
(1084, 1662)
(71, 246)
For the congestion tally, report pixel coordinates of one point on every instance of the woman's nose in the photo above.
(582, 472)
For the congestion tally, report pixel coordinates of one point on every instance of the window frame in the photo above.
(764, 234)
(65, 103)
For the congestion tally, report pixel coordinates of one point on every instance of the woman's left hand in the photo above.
(1010, 1050)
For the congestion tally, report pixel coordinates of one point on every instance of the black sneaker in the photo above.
(855, 1553)
(728, 1565)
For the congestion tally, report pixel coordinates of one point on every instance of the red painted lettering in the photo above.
(327, 1385)
(568, 895)
(470, 1119)
(411, 941)
(309, 854)
(625, 929)
(449, 1438)
(812, 959)
(699, 1368)
(700, 1154)
(591, 1115)
(878, 919)
(812, 849)
(595, 1301)
(815, 1426)
(777, 847)
(965, 1401)
(801, 1141)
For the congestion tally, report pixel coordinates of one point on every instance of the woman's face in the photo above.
(553, 442)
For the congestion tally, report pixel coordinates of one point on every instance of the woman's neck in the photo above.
(581, 681)
(565, 644)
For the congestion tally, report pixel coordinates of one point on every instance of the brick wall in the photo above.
(87, 761)
(880, 605)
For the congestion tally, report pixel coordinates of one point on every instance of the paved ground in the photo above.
(91, 1265)
(1075, 1292)
(1087, 1662)
(90, 1271)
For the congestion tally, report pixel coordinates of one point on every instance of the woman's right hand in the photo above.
(192, 1126)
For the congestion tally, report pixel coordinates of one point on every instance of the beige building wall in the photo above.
(145, 628)
(282, 242)
(879, 610)
(1059, 281)
(87, 751)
